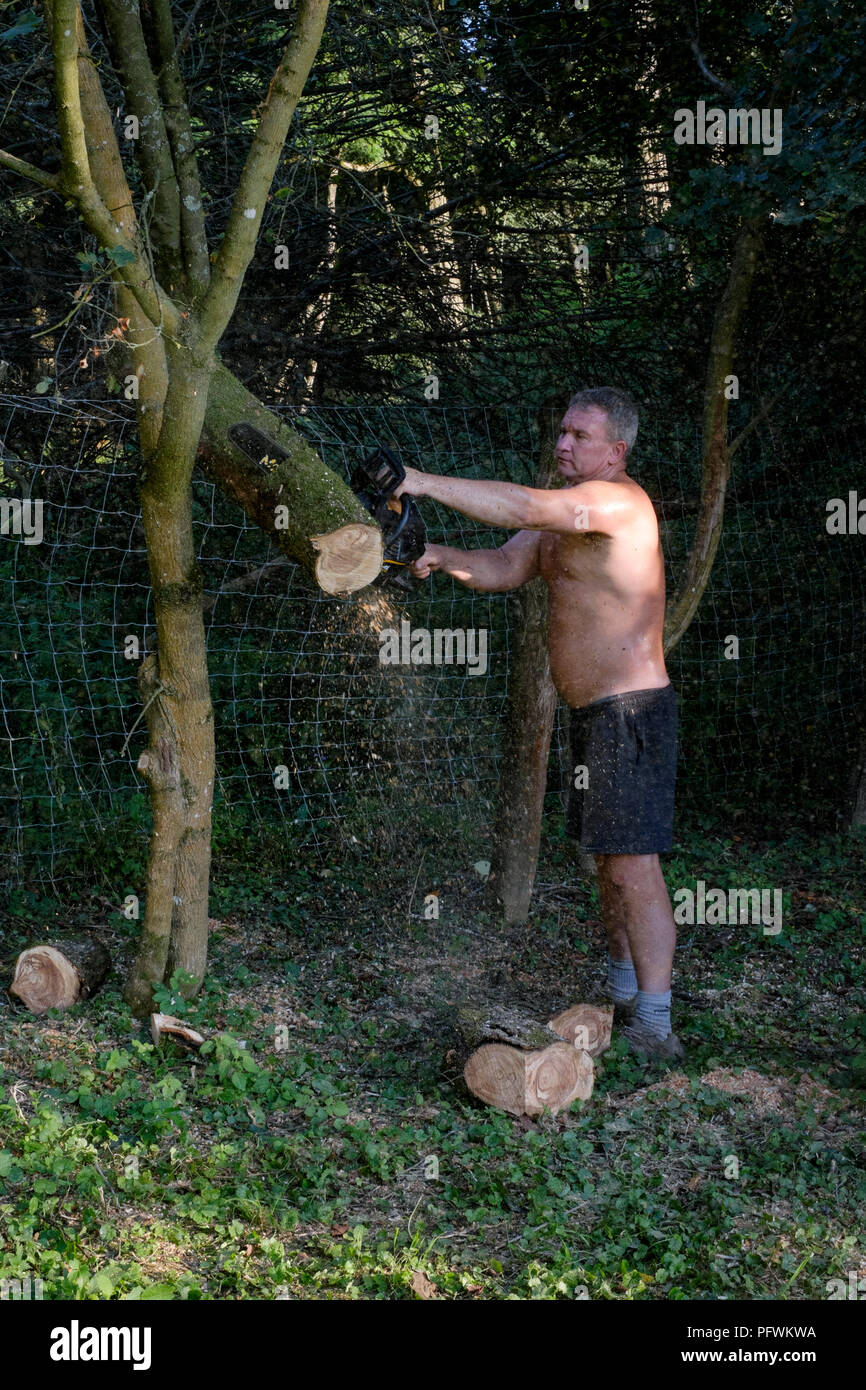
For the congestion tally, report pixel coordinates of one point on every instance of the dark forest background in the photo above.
(479, 207)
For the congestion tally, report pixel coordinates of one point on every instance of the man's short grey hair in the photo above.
(618, 406)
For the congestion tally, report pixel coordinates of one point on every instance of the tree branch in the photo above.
(76, 178)
(30, 171)
(242, 231)
(716, 461)
(132, 61)
(714, 81)
(179, 128)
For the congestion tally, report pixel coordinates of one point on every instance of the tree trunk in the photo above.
(716, 453)
(57, 976)
(528, 725)
(318, 316)
(858, 815)
(178, 763)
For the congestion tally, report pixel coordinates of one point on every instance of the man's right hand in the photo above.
(425, 565)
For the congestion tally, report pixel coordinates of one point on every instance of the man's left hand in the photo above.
(412, 483)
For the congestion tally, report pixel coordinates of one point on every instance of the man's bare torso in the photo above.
(606, 603)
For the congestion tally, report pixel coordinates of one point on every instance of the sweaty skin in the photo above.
(606, 602)
(594, 539)
(597, 548)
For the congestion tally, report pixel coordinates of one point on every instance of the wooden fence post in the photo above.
(528, 724)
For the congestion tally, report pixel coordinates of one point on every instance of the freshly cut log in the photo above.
(58, 976)
(501, 1023)
(279, 480)
(557, 1076)
(167, 1026)
(526, 1083)
(586, 1026)
(516, 1064)
(348, 558)
(496, 1074)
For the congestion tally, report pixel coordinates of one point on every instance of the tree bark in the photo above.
(178, 763)
(716, 452)
(317, 315)
(528, 725)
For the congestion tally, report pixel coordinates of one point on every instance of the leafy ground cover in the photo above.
(319, 1147)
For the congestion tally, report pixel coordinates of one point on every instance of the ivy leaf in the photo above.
(26, 25)
(121, 255)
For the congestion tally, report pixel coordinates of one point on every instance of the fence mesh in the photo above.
(296, 678)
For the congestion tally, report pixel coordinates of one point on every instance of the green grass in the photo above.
(317, 1146)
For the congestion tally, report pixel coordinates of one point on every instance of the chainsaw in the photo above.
(403, 531)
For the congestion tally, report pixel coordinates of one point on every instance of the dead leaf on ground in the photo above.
(421, 1285)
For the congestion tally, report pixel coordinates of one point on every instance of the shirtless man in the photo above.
(594, 539)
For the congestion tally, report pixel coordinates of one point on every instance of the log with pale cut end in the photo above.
(526, 1083)
(562, 1073)
(586, 1026)
(58, 976)
(496, 1074)
(282, 484)
(167, 1026)
(348, 558)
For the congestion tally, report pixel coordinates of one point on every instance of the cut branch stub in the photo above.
(348, 559)
(285, 488)
(56, 977)
(167, 1026)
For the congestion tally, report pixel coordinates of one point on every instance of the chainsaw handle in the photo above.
(404, 517)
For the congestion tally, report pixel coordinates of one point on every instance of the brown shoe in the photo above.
(646, 1043)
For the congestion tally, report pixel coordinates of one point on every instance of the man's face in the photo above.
(583, 449)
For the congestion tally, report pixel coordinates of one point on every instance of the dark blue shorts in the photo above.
(628, 745)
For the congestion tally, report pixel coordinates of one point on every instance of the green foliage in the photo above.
(256, 1170)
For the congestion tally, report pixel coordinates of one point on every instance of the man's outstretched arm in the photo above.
(489, 571)
(586, 507)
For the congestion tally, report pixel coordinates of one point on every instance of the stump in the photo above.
(518, 1065)
(58, 976)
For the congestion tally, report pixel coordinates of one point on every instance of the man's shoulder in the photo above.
(618, 495)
